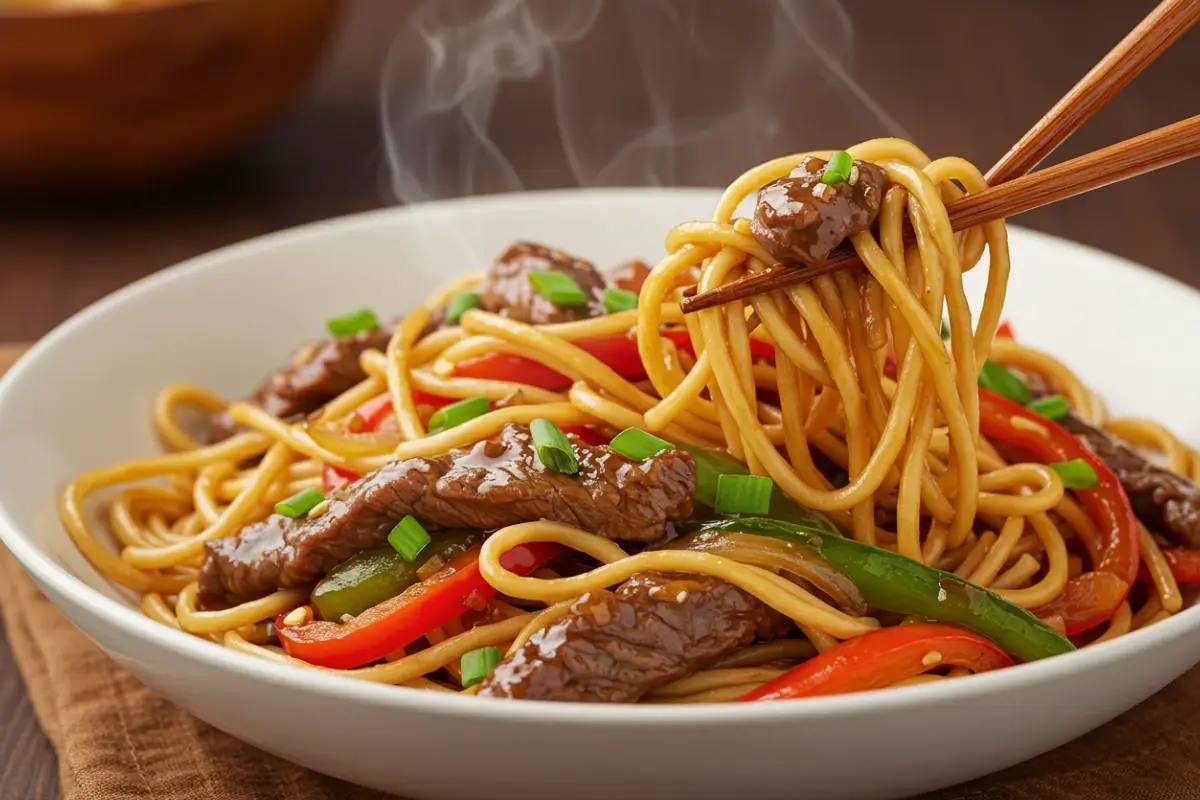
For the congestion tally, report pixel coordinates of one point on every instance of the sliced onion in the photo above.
(779, 556)
(353, 445)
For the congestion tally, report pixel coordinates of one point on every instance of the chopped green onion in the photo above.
(352, 324)
(744, 494)
(460, 304)
(552, 447)
(1076, 473)
(559, 288)
(456, 414)
(1053, 406)
(837, 169)
(616, 300)
(408, 538)
(1000, 380)
(478, 664)
(945, 331)
(638, 444)
(300, 504)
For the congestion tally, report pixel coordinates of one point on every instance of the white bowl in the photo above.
(80, 399)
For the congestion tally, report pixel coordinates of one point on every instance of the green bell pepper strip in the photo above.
(711, 465)
(893, 582)
(377, 574)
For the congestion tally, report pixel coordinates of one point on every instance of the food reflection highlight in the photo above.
(548, 483)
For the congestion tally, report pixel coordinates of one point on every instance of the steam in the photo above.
(664, 90)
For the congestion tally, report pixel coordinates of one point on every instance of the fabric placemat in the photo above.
(116, 739)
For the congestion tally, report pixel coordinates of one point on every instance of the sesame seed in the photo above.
(654, 591)
(853, 179)
(297, 616)
(931, 658)
(319, 509)
(819, 191)
(682, 597)
(346, 618)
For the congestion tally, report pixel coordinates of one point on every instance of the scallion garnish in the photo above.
(352, 324)
(1076, 473)
(552, 447)
(478, 664)
(617, 300)
(559, 288)
(1000, 380)
(408, 538)
(744, 494)
(1053, 406)
(300, 504)
(837, 169)
(460, 304)
(945, 331)
(637, 444)
(456, 414)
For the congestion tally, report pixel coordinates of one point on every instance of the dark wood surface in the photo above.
(963, 78)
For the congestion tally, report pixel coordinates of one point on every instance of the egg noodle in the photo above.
(958, 504)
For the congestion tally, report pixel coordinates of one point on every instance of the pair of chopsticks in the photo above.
(1009, 194)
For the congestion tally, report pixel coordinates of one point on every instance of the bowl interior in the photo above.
(81, 400)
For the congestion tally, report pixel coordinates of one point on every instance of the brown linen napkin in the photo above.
(118, 740)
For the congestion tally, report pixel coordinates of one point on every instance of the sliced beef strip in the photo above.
(507, 289)
(1163, 501)
(800, 220)
(615, 646)
(495, 483)
(320, 373)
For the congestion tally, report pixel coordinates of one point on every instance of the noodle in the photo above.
(859, 378)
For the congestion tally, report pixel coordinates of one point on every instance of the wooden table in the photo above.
(961, 78)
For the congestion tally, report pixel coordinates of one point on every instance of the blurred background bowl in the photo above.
(108, 95)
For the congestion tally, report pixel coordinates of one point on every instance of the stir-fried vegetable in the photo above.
(1093, 597)
(780, 556)
(455, 414)
(711, 465)
(353, 323)
(401, 620)
(618, 351)
(882, 657)
(1184, 564)
(744, 494)
(552, 447)
(374, 575)
(478, 664)
(893, 582)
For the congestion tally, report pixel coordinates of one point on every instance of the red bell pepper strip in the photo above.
(335, 478)
(882, 657)
(403, 619)
(1184, 564)
(1093, 597)
(1005, 331)
(617, 351)
(586, 435)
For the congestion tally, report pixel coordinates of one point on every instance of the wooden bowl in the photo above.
(139, 92)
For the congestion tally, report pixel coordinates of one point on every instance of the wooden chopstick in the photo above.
(1140, 47)
(1141, 154)
(1161, 28)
